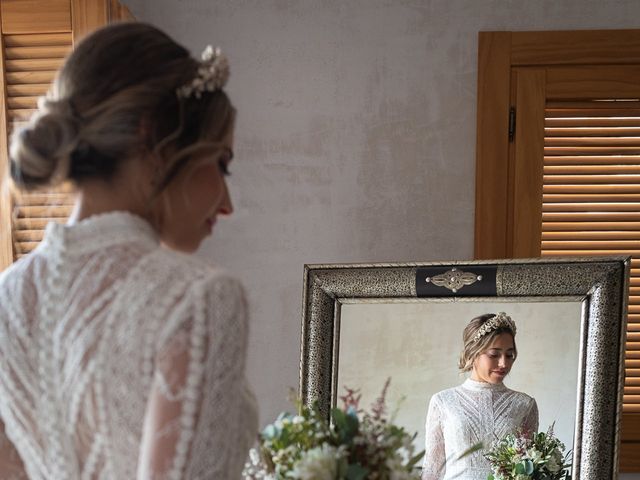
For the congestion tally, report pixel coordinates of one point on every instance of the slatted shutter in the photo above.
(558, 162)
(31, 61)
(36, 36)
(591, 198)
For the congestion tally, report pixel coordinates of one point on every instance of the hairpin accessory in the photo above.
(500, 320)
(212, 74)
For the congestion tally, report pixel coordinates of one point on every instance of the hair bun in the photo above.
(41, 150)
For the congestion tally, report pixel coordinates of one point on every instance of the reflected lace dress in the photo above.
(461, 417)
(120, 359)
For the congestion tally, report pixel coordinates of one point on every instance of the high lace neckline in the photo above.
(98, 232)
(483, 386)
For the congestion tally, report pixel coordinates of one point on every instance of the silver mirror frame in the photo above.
(601, 283)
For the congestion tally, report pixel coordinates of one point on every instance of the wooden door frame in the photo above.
(500, 55)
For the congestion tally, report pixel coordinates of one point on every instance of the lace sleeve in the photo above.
(530, 422)
(11, 467)
(434, 459)
(199, 406)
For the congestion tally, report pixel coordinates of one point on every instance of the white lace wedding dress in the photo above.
(120, 359)
(461, 417)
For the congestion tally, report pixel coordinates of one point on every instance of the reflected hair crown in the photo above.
(480, 333)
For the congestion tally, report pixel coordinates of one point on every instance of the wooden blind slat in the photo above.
(585, 142)
(591, 159)
(28, 235)
(581, 122)
(49, 64)
(591, 188)
(32, 60)
(43, 211)
(574, 133)
(590, 179)
(39, 40)
(592, 150)
(591, 207)
(32, 52)
(591, 169)
(591, 235)
(591, 216)
(591, 198)
(597, 197)
(27, 90)
(21, 103)
(27, 77)
(569, 253)
(549, 226)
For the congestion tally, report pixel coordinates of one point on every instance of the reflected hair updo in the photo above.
(475, 341)
(114, 99)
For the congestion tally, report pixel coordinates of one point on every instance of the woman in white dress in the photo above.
(480, 410)
(121, 357)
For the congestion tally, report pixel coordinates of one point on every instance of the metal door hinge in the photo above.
(512, 123)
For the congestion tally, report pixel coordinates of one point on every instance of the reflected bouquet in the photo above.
(529, 456)
(357, 445)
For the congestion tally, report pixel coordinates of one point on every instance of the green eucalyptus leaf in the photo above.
(528, 467)
(415, 459)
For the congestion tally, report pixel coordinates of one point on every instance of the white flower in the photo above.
(555, 462)
(534, 455)
(320, 463)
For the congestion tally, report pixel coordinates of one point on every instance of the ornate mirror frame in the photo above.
(601, 283)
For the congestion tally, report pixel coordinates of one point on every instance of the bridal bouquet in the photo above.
(357, 445)
(527, 456)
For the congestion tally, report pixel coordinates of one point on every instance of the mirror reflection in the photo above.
(417, 343)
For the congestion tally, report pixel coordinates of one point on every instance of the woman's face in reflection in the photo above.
(495, 363)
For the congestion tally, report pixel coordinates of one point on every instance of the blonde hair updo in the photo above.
(114, 99)
(476, 340)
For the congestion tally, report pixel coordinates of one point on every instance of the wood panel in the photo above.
(528, 169)
(631, 427)
(33, 16)
(491, 145)
(629, 456)
(580, 47)
(593, 81)
(119, 12)
(88, 16)
(33, 61)
(578, 64)
(6, 240)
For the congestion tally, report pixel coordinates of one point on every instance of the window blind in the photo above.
(591, 198)
(31, 61)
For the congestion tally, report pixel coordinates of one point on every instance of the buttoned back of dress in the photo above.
(98, 324)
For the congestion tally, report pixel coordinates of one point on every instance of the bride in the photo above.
(480, 410)
(122, 357)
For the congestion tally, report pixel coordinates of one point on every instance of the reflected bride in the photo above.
(480, 410)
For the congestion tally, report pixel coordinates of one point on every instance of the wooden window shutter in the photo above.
(591, 198)
(559, 150)
(36, 37)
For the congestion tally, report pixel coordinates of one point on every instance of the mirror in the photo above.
(363, 324)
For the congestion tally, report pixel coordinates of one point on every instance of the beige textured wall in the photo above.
(355, 137)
